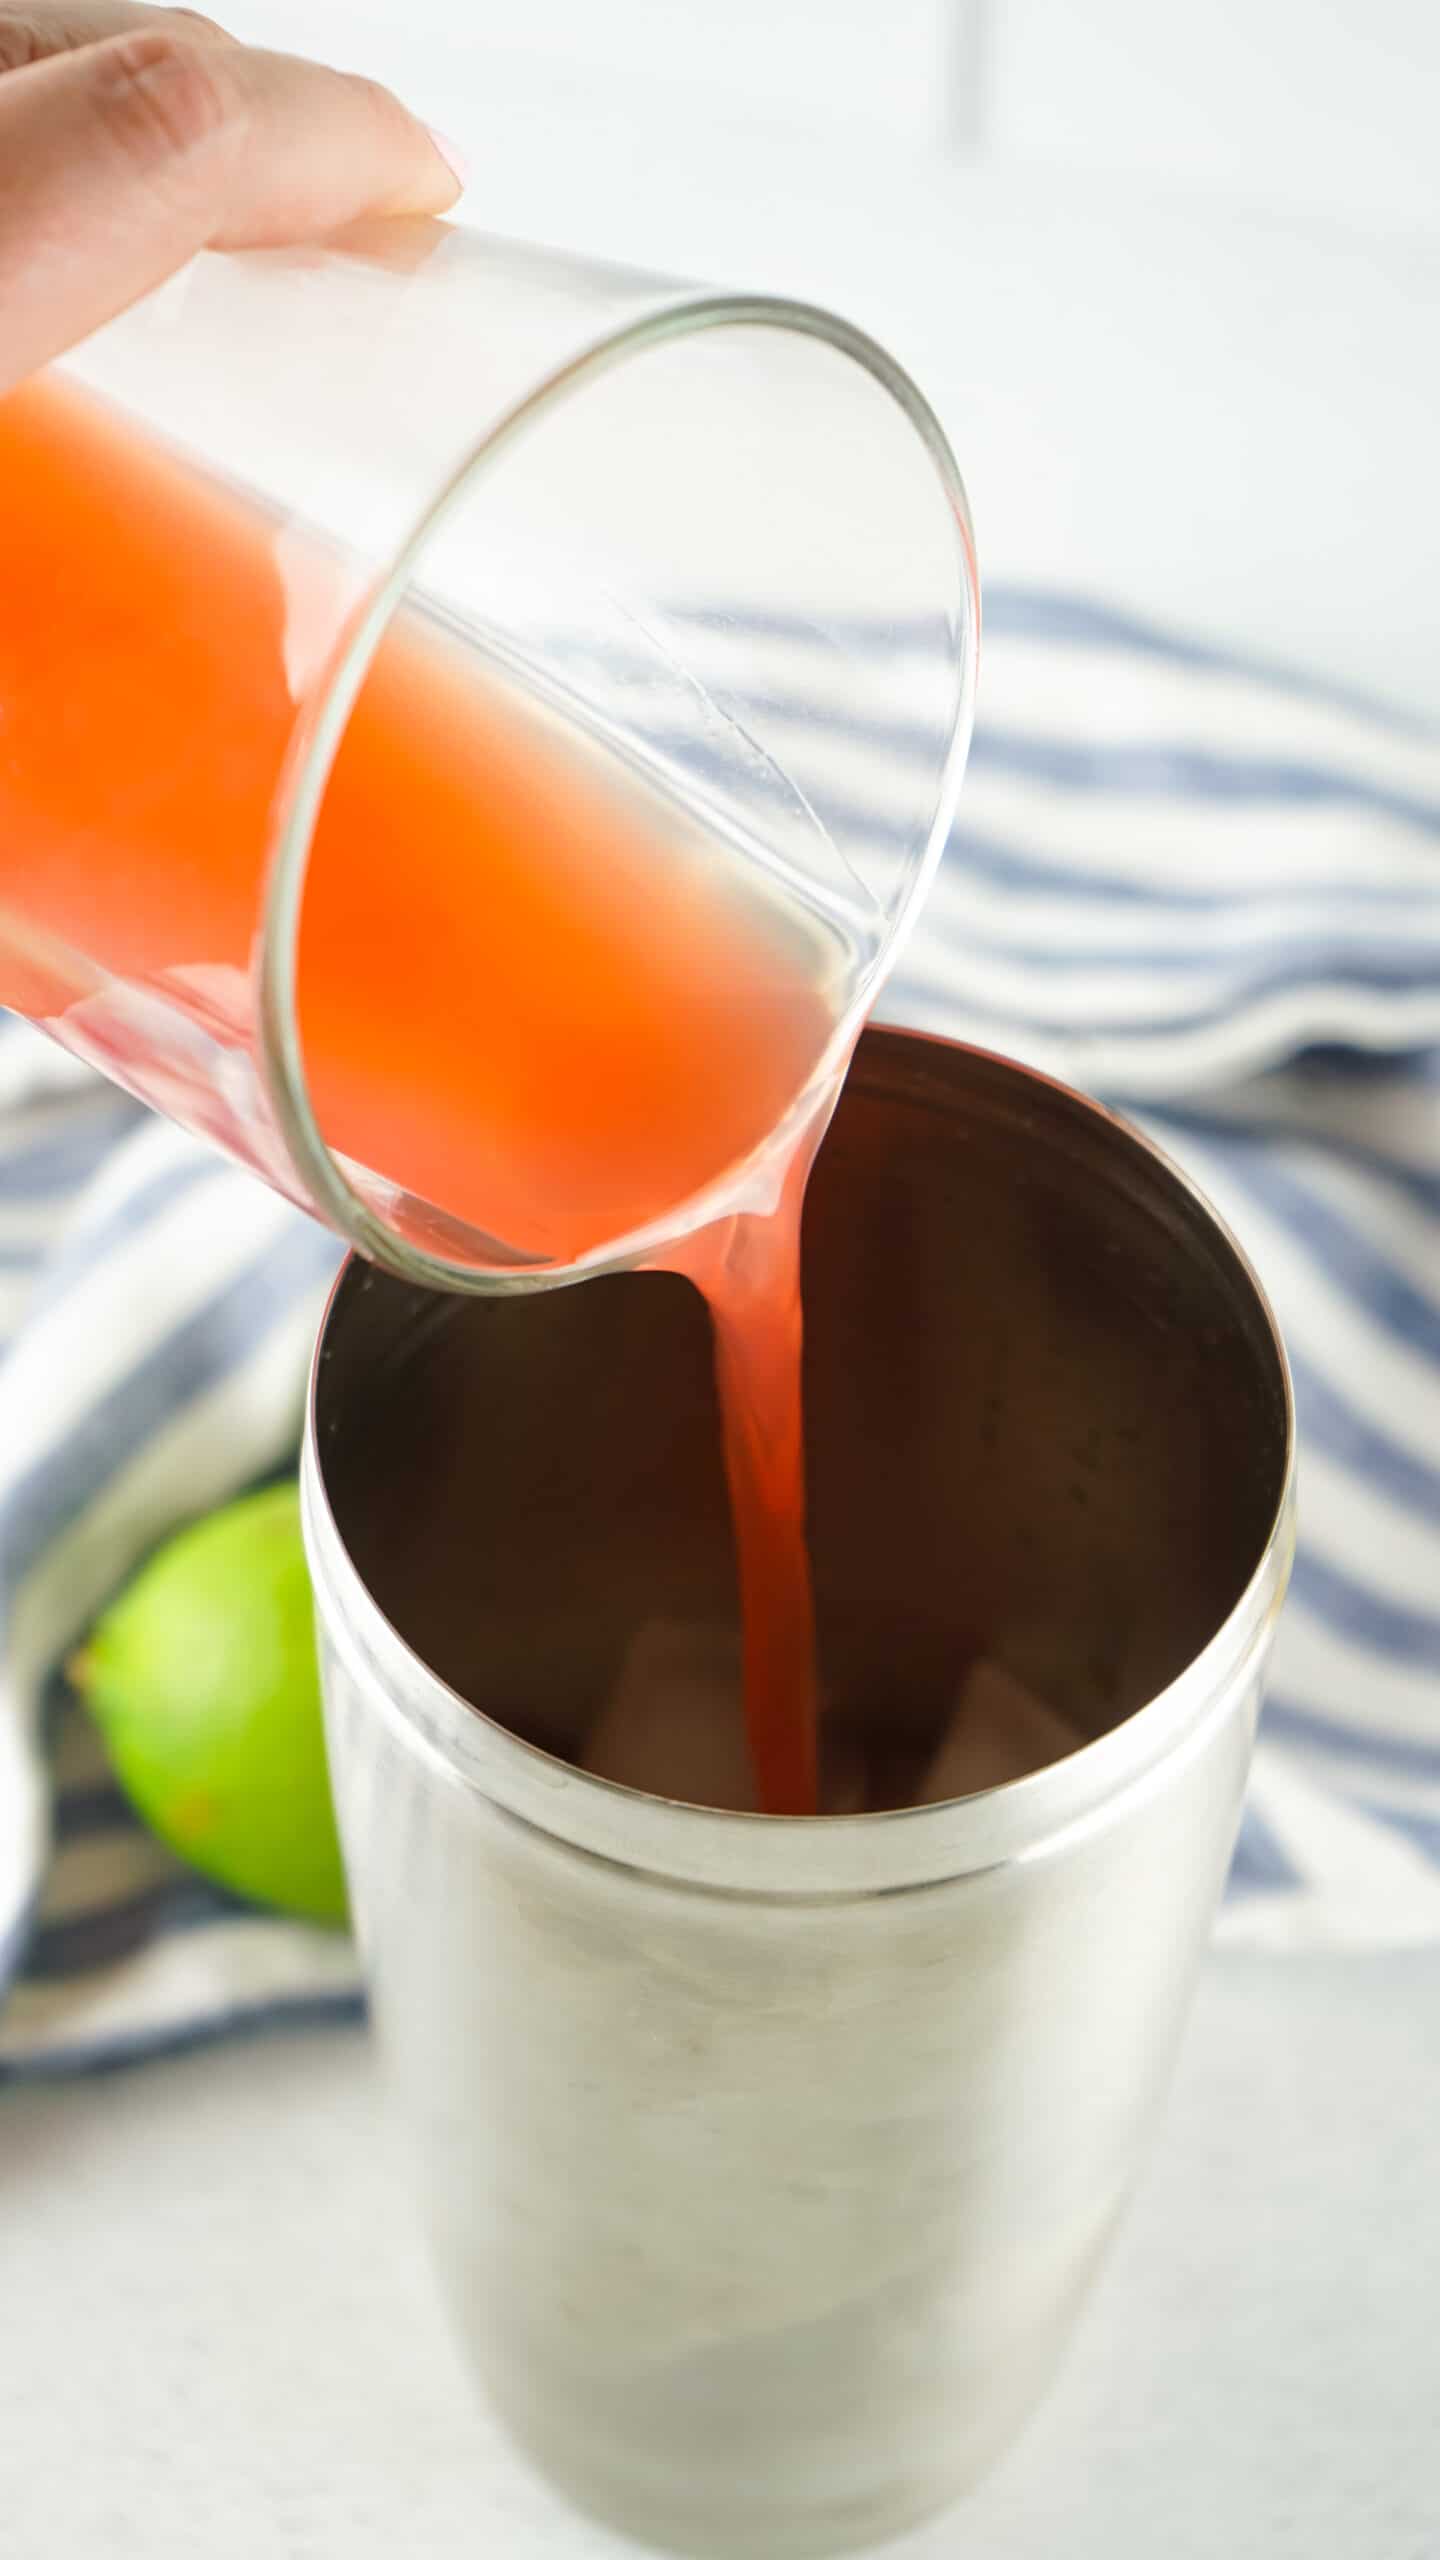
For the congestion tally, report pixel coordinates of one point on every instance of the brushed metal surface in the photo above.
(766, 2162)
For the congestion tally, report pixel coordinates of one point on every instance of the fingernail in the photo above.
(453, 157)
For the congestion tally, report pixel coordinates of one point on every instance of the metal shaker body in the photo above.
(766, 2162)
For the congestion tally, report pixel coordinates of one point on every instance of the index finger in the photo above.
(119, 161)
(31, 30)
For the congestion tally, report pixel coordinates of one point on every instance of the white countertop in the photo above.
(219, 2335)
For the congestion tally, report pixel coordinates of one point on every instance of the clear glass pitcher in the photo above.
(473, 726)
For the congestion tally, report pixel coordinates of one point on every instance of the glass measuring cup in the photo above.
(410, 653)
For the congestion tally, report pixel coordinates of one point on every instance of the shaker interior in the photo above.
(1046, 1426)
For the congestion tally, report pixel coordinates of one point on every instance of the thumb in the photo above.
(119, 161)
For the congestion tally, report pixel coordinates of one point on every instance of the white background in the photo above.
(1172, 275)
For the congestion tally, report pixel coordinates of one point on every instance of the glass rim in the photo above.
(321, 728)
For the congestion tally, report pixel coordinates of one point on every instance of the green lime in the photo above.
(203, 1680)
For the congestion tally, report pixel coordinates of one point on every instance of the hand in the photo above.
(130, 137)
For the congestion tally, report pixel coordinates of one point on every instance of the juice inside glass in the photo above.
(440, 821)
(531, 992)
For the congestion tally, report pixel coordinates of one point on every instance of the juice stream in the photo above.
(525, 996)
(747, 1268)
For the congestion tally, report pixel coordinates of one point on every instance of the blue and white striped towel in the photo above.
(1207, 894)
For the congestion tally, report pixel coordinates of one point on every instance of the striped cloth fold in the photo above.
(1205, 892)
